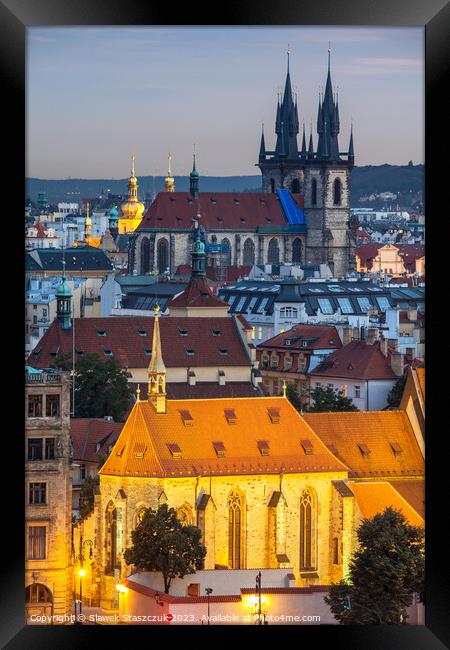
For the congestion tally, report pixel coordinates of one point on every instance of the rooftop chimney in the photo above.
(372, 335)
(384, 347)
(393, 344)
(397, 363)
(346, 335)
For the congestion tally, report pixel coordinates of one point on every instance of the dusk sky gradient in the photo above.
(96, 94)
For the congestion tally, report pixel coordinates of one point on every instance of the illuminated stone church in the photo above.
(265, 489)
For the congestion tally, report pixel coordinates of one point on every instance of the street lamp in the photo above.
(208, 593)
(81, 573)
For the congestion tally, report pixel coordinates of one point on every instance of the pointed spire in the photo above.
(351, 153)
(132, 164)
(138, 393)
(262, 148)
(193, 180)
(169, 181)
(311, 145)
(319, 118)
(157, 370)
(303, 152)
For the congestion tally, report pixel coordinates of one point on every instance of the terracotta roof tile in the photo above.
(356, 360)
(204, 390)
(232, 273)
(198, 457)
(197, 294)
(220, 210)
(86, 433)
(377, 430)
(374, 497)
(413, 492)
(129, 347)
(317, 336)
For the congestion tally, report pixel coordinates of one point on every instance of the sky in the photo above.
(97, 94)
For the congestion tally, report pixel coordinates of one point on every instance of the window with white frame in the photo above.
(288, 312)
(357, 391)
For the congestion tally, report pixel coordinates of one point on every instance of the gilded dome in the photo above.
(132, 209)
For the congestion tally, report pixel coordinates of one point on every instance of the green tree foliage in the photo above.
(87, 493)
(329, 399)
(101, 387)
(293, 396)
(161, 543)
(387, 568)
(395, 394)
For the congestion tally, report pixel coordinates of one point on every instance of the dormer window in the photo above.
(186, 417)
(223, 352)
(174, 449)
(263, 447)
(364, 449)
(108, 352)
(119, 452)
(307, 446)
(182, 332)
(274, 415)
(215, 332)
(142, 332)
(396, 448)
(219, 448)
(147, 351)
(236, 201)
(139, 449)
(189, 352)
(101, 333)
(230, 415)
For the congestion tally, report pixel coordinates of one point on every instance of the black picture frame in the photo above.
(433, 15)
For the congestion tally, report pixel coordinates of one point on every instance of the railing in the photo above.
(42, 377)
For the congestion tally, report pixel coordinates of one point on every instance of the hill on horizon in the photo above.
(406, 179)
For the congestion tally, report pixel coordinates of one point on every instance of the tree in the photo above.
(395, 394)
(101, 387)
(87, 493)
(293, 396)
(387, 568)
(161, 543)
(330, 399)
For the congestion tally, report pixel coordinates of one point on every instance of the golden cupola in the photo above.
(169, 181)
(132, 210)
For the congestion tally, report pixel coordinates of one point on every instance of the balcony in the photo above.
(43, 377)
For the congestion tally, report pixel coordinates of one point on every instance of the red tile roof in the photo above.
(345, 433)
(129, 347)
(203, 390)
(356, 360)
(86, 433)
(319, 337)
(408, 252)
(197, 294)
(198, 457)
(219, 210)
(413, 492)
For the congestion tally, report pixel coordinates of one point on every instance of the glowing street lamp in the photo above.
(81, 573)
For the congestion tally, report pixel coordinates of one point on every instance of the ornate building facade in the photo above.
(48, 494)
(321, 175)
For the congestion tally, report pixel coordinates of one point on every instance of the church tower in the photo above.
(169, 181)
(157, 371)
(321, 176)
(132, 210)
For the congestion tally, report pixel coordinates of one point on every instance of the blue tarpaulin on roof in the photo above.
(294, 214)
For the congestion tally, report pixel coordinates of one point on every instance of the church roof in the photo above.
(366, 442)
(374, 498)
(203, 390)
(197, 294)
(186, 341)
(87, 433)
(219, 210)
(263, 435)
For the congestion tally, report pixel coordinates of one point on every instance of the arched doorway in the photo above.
(273, 252)
(163, 255)
(145, 255)
(38, 600)
(297, 251)
(295, 186)
(249, 252)
(110, 539)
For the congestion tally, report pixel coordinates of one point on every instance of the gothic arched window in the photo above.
(140, 512)
(295, 186)
(272, 185)
(249, 252)
(163, 255)
(227, 255)
(185, 515)
(273, 253)
(297, 250)
(307, 529)
(313, 192)
(235, 510)
(110, 538)
(337, 191)
(145, 255)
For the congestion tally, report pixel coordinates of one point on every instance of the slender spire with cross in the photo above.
(132, 163)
